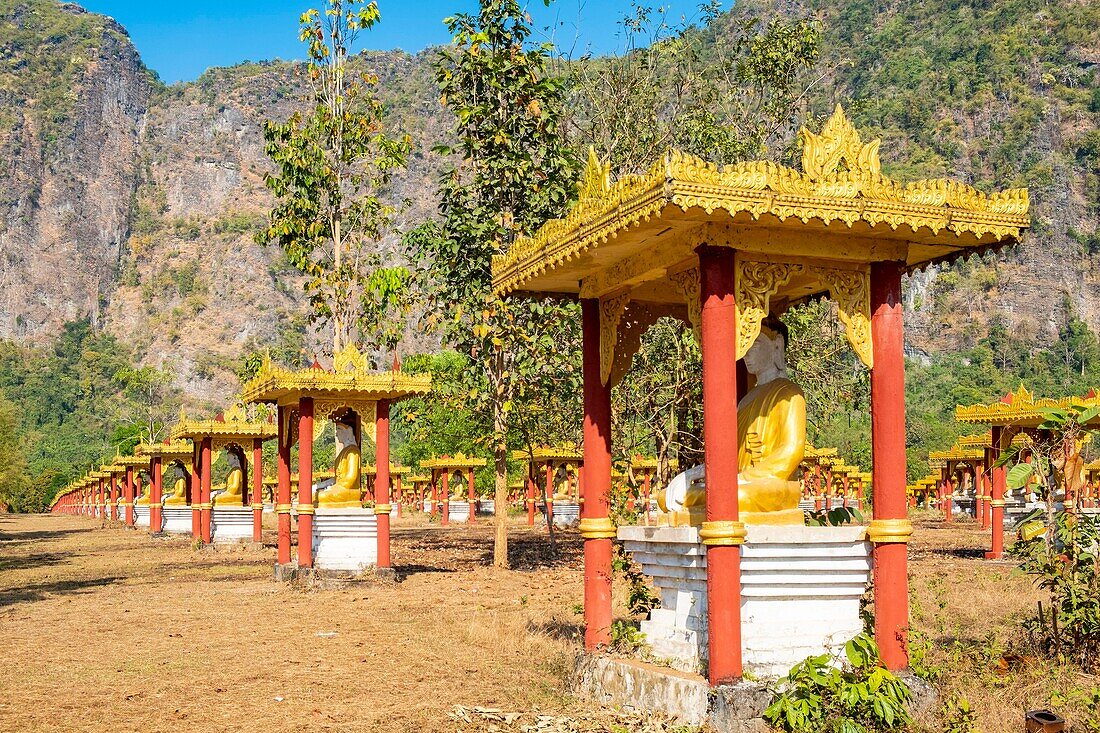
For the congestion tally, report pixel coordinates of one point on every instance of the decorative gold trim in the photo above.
(883, 531)
(611, 313)
(597, 528)
(997, 503)
(687, 283)
(306, 509)
(724, 533)
(756, 283)
(841, 180)
(383, 508)
(851, 289)
(284, 508)
(256, 506)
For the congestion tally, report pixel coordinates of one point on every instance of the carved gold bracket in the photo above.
(756, 283)
(687, 283)
(611, 312)
(851, 289)
(636, 320)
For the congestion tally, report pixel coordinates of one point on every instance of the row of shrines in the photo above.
(727, 249)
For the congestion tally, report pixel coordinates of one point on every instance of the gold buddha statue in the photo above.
(178, 496)
(771, 442)
(143, 500)
(563, 489)
(344, 491)
(233, 493)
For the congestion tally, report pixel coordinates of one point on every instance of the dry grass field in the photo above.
(108, 629)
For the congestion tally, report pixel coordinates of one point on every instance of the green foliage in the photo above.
(823, 695)
(626, 637)
(837, 517)
(79, 399)
(1065, 561)
(959, 717)
(641, 598)
(726, 91)
(332, 163)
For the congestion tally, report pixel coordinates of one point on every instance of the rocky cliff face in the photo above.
(73, 121)
(134, 204)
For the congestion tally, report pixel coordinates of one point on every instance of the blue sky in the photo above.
(182, 38)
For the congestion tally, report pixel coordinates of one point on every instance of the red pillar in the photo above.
(156, 495)
(890, 529)
(204, 516)
(471, 497)
(305, 482)
(595, 526)
(282, 491)
(1000, 483)
(257, 493)
(446, 491)
(382, 482)
(548, 494)
(128, 496)
(195, 491)
(722, 532)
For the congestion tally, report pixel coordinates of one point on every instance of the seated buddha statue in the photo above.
(563, 491)
(233, 493)
(178, 497)
(771, 441)
(344, 490)
(143, 498)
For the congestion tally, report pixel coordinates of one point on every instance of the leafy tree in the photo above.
(13, 463)
(727, 89)
(153, 400)
(332, 163)
(512, 171)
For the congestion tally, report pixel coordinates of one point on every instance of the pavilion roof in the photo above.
(349, 380)
(131, 461)
(445, 463)
(1021, 409)
(418, 478)
(840, 206)
(545, 453)
(233, 424)
(957, 453)
(171, 450)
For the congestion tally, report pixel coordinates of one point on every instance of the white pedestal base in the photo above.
(565, 514)
(141, 516)
(487, 507)
(800, 592)
(177, 519)
(426, 506)
(459, 511)
(345, 539)
(231, 524)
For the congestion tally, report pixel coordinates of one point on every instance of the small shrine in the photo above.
(131, 485)
(559, 470)
(335, 532)
(961, 474)
(417, 484)
(233, 511)
(457, 504)
(728, 249)
(1008, 419)
(646, 468)
(170, 511)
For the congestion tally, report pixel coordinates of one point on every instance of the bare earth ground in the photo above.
(109, 629)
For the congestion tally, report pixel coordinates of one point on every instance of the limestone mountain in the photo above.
(133, 203)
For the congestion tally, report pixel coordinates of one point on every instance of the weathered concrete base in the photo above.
(141, 516)
(459, 512)
(566, 514)
(231, 524)
(321, 578)
(345, 540)
(177, 519)
(487, 507)
(637, 686)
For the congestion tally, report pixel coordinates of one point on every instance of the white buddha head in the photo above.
(766, 359)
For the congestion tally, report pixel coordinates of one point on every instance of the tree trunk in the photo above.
(500, 501)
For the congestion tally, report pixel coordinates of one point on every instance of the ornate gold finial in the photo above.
(838, 142)
(235, 413)
(349, 360)
(1022, 395)
(596, 178)
(183, 415)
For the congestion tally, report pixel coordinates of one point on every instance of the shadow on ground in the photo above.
(39, 591)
